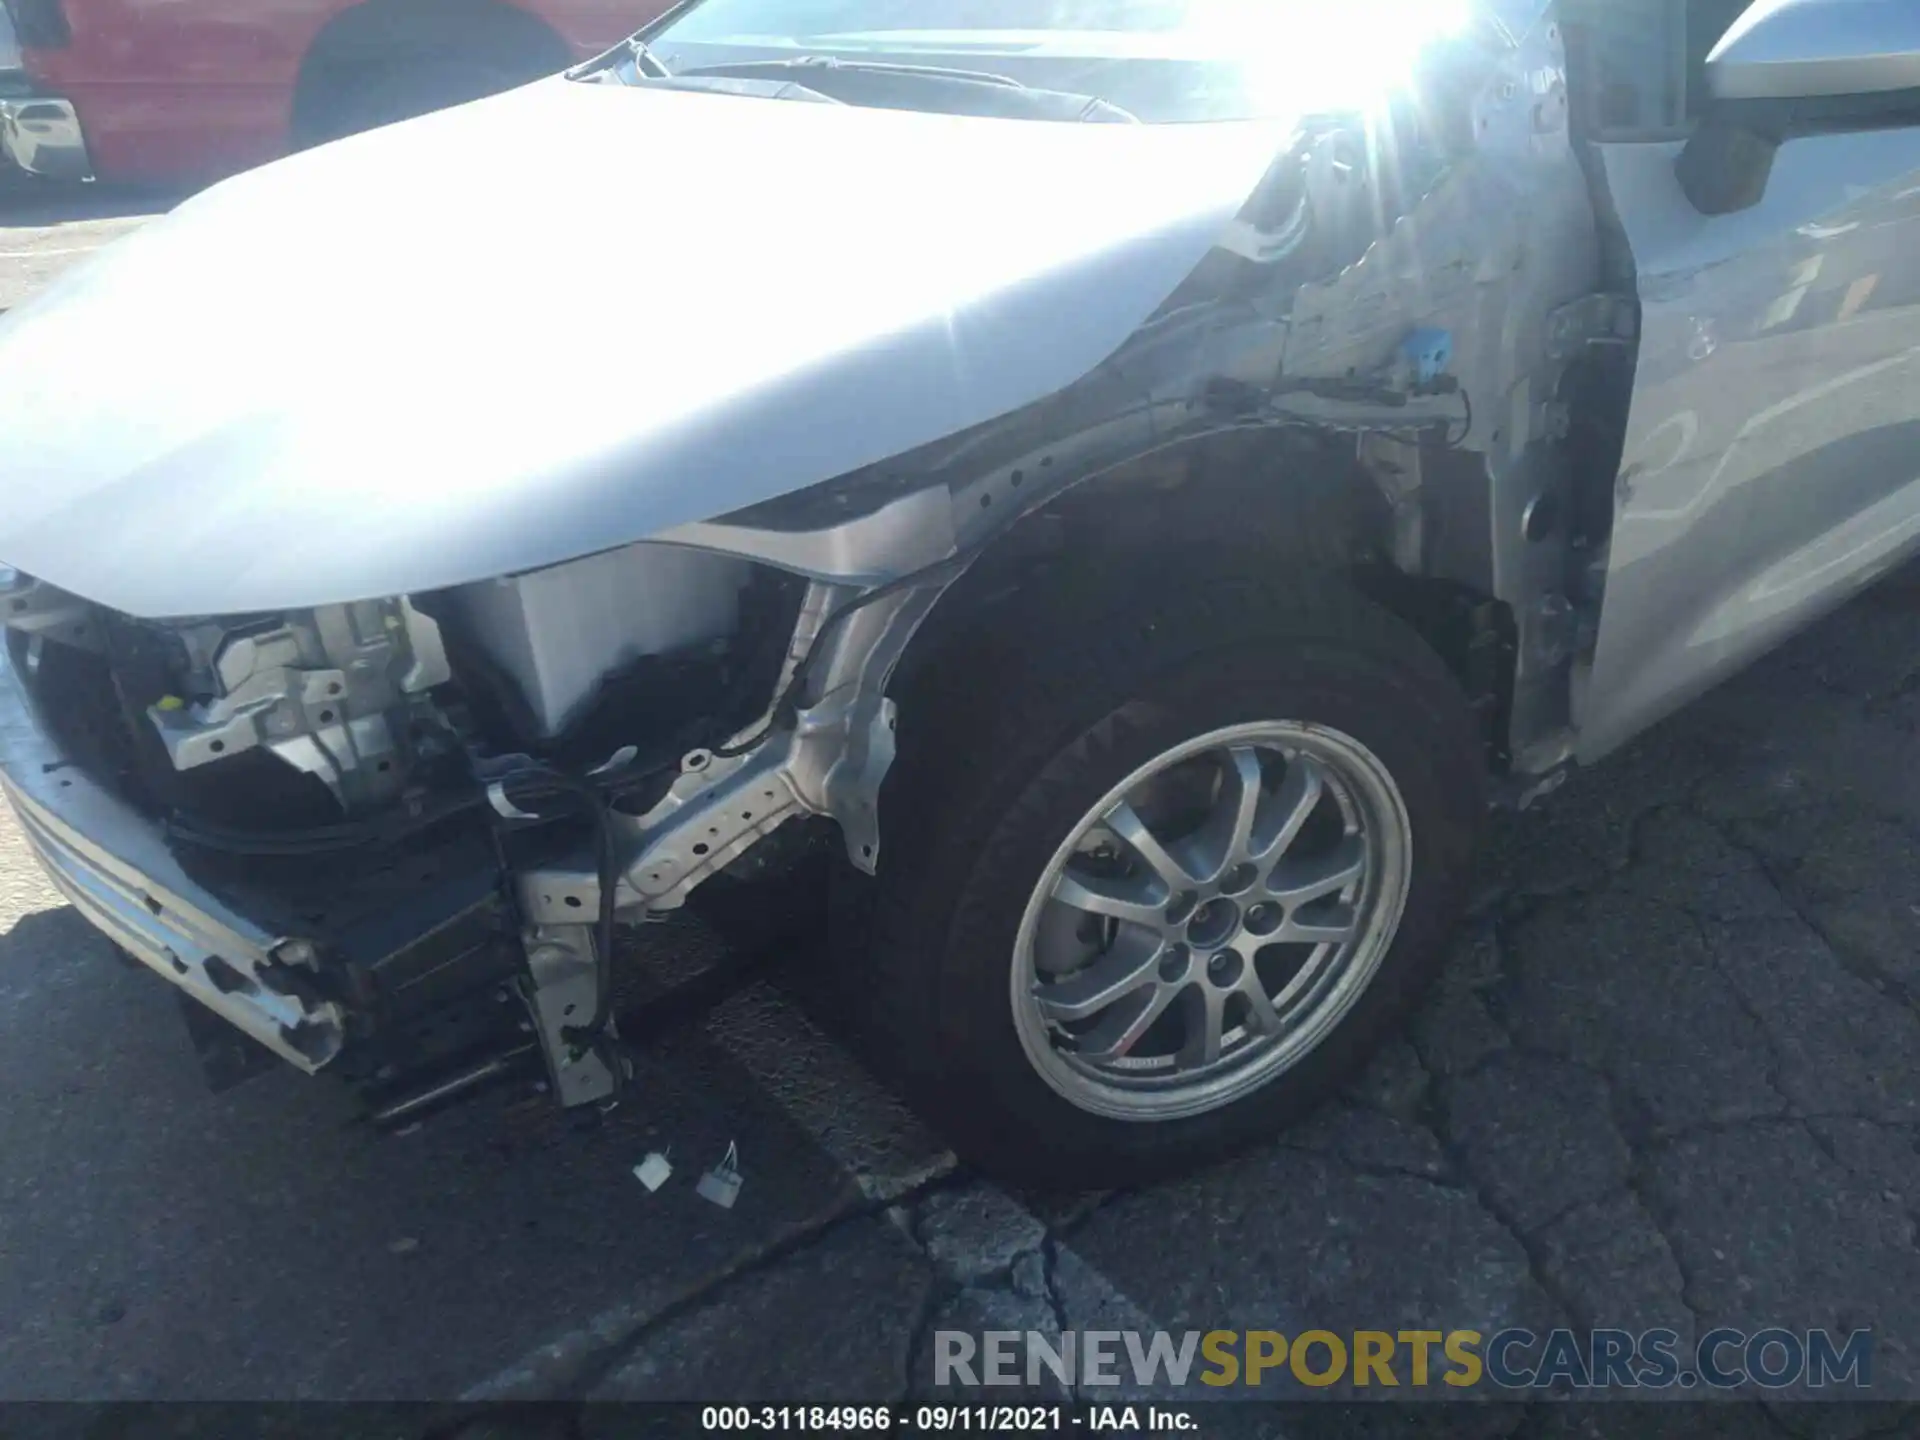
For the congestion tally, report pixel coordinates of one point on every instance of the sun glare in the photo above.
(1326, 53)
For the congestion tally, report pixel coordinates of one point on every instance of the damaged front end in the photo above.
(394, 837)
(355, 831)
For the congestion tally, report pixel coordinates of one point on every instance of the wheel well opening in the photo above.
(495, 43)
(1248, 498)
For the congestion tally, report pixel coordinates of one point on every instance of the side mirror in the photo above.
(1817, 50)
(1787, 64)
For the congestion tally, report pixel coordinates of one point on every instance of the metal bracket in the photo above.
(38, 609)
(559, 990)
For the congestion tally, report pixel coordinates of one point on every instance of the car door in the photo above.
(1771, 465)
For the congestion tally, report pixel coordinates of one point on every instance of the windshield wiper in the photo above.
(644, 60)
(984, 85)
(865, 67)
(646, 64)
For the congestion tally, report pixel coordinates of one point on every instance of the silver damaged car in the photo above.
(1090, 500)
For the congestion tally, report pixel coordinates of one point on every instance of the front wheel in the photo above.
(1168, 874)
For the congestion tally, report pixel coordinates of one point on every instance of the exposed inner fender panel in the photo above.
(335, 378)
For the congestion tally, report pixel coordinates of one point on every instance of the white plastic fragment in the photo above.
(497, 797)
(722, 1183)
(653, 1171)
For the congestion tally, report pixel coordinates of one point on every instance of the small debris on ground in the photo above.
(722, 1183)
(653, 1171)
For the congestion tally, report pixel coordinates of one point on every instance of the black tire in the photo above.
(997, 766)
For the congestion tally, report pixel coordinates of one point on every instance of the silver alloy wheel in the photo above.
(1211, 919)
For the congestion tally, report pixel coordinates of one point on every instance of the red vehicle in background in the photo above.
(174, 92)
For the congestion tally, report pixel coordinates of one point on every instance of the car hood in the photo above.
(563, 319)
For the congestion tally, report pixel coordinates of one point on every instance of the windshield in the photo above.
(1162, 60)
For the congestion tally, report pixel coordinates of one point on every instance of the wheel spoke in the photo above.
(1226, 839)
(1124, 1023)
(1328, 925)
(1116, 899)
(1108, 980)
(1206, 1019)
(1299, 796)
(1125, 822)
(1261, 1015)
(1296, 882)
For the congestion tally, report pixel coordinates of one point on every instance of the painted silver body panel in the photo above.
(1794, 49)
(1772, 463)
(565, 319)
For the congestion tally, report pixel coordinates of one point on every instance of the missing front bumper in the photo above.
(113, 864)
(421, 950)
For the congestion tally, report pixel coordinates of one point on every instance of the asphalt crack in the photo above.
(1056, 1302)
(1862, 967)
(573, 1375)
(1776, 1058)
(1435, 1116)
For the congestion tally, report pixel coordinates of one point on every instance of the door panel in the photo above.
(1772, 461)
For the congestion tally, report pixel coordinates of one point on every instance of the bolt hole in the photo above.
(867, 850)
(746, 814)
(326, 717)
(701, 848)
(573, 902)
(217, 746)
(333, 688)
(570, 1009)
(985, 501)
(1018, 478)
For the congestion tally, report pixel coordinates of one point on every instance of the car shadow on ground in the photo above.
(26, 202)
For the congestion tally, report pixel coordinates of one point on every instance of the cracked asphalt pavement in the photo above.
(1671, 1078)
